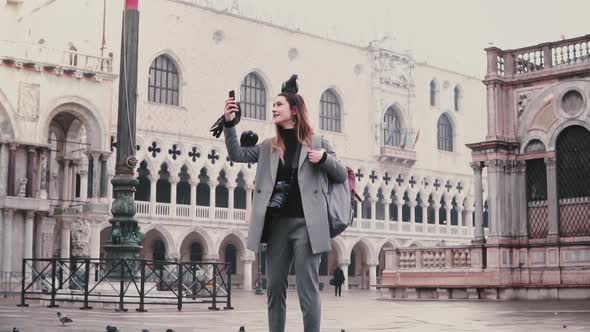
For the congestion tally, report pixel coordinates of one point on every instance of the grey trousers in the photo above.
(289, 241)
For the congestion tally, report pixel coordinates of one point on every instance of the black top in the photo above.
(293, 207)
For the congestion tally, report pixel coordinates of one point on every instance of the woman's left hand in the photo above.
(315, 156)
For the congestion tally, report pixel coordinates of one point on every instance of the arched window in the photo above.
(418, 209)
(330, 118)
(163, 185)
(203, 190)
(352, 265)
(163, 85)
(573, 181)
(231, 257)
(406, 207)
(457, 97)
(392, 127)
(253, 97)
(239, 198)
(445, 133)
(196, 252)
(183, 188)
(159, 253)
(142, 191)
(433, 93)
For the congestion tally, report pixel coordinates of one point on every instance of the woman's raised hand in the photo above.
(315, 156)
(231, 107)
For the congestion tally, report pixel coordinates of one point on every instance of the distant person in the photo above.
(338, 280)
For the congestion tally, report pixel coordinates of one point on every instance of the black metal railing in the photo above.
(125, 282)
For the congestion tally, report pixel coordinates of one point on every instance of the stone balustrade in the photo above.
(45, 58)
(359, 225)
(538, 58)
(463, 258)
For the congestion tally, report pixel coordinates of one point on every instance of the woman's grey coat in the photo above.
(312, 185)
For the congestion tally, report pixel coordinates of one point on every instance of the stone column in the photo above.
(521, 213)
(173, 186)
(94, 247)
(398, 201)
(249, 189)
(103, 178)
(437, 207)
(3, 169)
(28, 252)
(496, 206)
(95, 176)
(359, 213)
(65, 238)
(552, 200)
(12, 169)
(83, 182)
(72, 190)
(344, 267)
(43, 173)
(469, 219)
(247, 273)
(459, 216)
(373, 201)
(213, 188)
(448, 207)
(153, 187)
(478, 193)
(230, 192)
(7, 244)
(194, 183)
(65, 183)
(424, 206)
(387, 202)
(373, 275)
(412, 203)
(31, 161)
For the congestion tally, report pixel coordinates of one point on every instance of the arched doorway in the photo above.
(358, 270)
(573, 181)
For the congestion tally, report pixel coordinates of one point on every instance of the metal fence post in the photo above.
(86, 282)
(228, 289)
(142, 288)
(23, 286)
(122, 286)
(179, 306)
(53, 289)
(214, 302)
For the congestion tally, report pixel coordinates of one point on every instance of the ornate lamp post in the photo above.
(125, 241)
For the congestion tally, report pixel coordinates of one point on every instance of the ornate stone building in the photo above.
(401, 125)
(536, 154)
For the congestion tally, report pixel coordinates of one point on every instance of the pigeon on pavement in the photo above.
(63, 318)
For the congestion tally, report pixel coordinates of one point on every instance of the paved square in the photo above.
(355, 311)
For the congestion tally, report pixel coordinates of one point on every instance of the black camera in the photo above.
(279, 198)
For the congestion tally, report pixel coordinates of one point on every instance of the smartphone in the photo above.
(232, 94)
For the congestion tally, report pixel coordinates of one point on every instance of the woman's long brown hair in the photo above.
(303, 129)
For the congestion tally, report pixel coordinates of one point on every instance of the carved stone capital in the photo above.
(550, 162)
(476, 166)
(495, 164)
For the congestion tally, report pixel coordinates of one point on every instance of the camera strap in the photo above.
(295, 163)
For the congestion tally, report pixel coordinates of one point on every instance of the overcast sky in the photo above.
(447, 33)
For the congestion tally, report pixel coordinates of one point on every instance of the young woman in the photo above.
(289, 209)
